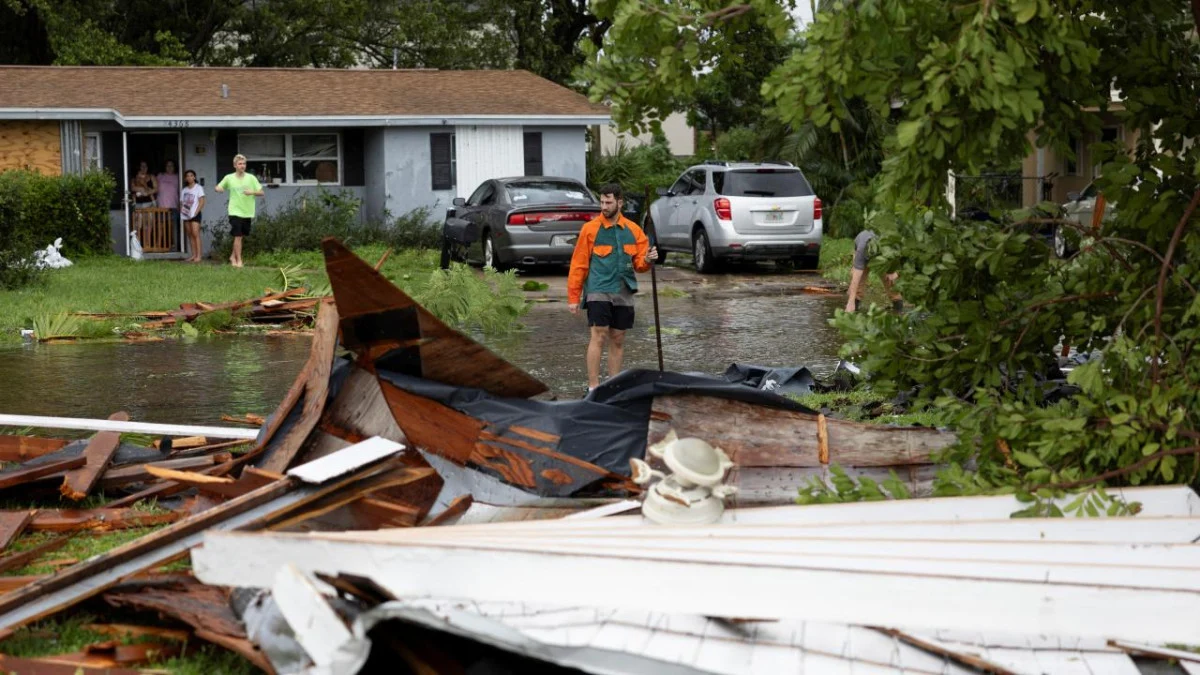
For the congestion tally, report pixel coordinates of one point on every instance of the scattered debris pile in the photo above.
(412, 502)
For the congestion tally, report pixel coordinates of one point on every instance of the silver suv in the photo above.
(733, 211)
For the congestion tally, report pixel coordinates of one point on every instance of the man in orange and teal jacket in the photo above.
(610, 248)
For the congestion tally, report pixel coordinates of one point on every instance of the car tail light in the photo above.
(548, 217)
(816, 208)
(724, 211)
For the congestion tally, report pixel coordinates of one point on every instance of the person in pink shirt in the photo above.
(168, 190)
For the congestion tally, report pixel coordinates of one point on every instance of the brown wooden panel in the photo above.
(12, 524)
(431, 425)
(755, 435)
(74, 520)
(374, 310)
(99, 453)
(31, 145)
(21, 448)
(24, 475)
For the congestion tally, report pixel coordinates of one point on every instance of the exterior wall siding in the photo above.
(32, 145)
(407, 172)
(374, 174)
(564, 151)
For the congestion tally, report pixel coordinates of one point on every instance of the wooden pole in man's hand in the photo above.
(653, 277)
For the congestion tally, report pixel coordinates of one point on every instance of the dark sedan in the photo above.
(518, 221)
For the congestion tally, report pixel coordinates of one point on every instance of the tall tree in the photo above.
(546, 34)
(973, 83)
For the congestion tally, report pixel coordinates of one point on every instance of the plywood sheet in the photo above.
(31, 145)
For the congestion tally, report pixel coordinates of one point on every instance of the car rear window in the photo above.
(548, 192)
(761, 183)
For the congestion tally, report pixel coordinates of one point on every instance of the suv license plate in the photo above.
(774, 217)
(563, 240)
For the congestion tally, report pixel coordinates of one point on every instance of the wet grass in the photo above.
(117, 285)
(73, 634)
(80, 547)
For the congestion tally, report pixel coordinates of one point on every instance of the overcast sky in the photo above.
(802, 12)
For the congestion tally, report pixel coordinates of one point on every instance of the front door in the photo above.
(154, 205)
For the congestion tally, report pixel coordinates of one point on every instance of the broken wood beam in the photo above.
(48, 666)
(774, 437)
(12, 524)
(15, 561)
(21, 448)
(75, 520)
(316, 388)
(452, 512)
(98, 453)
(91, 577)
(21, 476)
(140, 473)
(186, 477)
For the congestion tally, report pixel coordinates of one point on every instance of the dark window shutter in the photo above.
(440, 156)
(353, 141)
(112, 153)
(533, 153)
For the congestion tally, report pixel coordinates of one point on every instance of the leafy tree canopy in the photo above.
(972, 85)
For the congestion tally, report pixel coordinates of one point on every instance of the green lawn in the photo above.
(113, 284)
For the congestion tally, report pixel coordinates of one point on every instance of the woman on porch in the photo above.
(143, 187)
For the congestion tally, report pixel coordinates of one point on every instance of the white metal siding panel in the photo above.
(487, 152)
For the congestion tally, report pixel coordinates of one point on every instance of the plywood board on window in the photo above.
(33, 145)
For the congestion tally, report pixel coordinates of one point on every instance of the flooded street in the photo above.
(708, 323)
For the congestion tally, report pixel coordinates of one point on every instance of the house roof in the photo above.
(138, 95)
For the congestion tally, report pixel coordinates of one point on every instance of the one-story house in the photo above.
(398, 139)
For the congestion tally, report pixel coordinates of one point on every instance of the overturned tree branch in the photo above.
(1123, 471)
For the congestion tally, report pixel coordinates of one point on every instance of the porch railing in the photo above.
(156, 230)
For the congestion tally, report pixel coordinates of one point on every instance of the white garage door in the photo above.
(487, 152)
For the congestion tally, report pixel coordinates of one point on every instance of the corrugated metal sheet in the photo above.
(72, 146)
(487, 152)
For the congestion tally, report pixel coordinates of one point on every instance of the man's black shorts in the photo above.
(239, 226)
(606, 314)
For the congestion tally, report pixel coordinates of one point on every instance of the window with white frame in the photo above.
(92, 159)
(293, 158)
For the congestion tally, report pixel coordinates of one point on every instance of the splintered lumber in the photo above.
(375, 315)
(125, 427)
(760, 436)
(21, 448)
(21, 476)
(387, 482)
(187, 477)
(205, 608)
(140, 473)
(15, 561)
(184, 443)
(48, 666)
(72, 520)
(98, 453)
(250, 480)
(133, 631)
(90, 577)
(315, 380)
(12, 583)
(376, 514)
(452, 512)
(12, 524)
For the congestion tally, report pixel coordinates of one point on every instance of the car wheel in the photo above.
(1062, 241)
(490, 258)
(702, 255)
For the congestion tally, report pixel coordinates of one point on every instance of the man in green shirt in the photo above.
(243, 188)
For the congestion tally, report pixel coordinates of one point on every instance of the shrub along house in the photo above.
(397, 139)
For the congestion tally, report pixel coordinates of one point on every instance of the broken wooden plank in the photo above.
(96, 574)
(12, 583)
(375, 514)
(756, 435)
(341, 463)
(48, 666)
(12, 524)
(372, 309)
(187, 477)
(15, 561)
(21, 476)
(75, 520)
(318, 629)
(21, 448)
(395, 479)
(98, 453)
(140, 473)
(451, 513)
(184, 443)
(250, 480)
(316, 387)
(125, 427)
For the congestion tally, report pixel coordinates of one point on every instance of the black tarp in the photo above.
(608, 427)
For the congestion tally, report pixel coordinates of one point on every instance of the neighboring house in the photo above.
(1054, 174)
(681, 138)
(398, 139)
